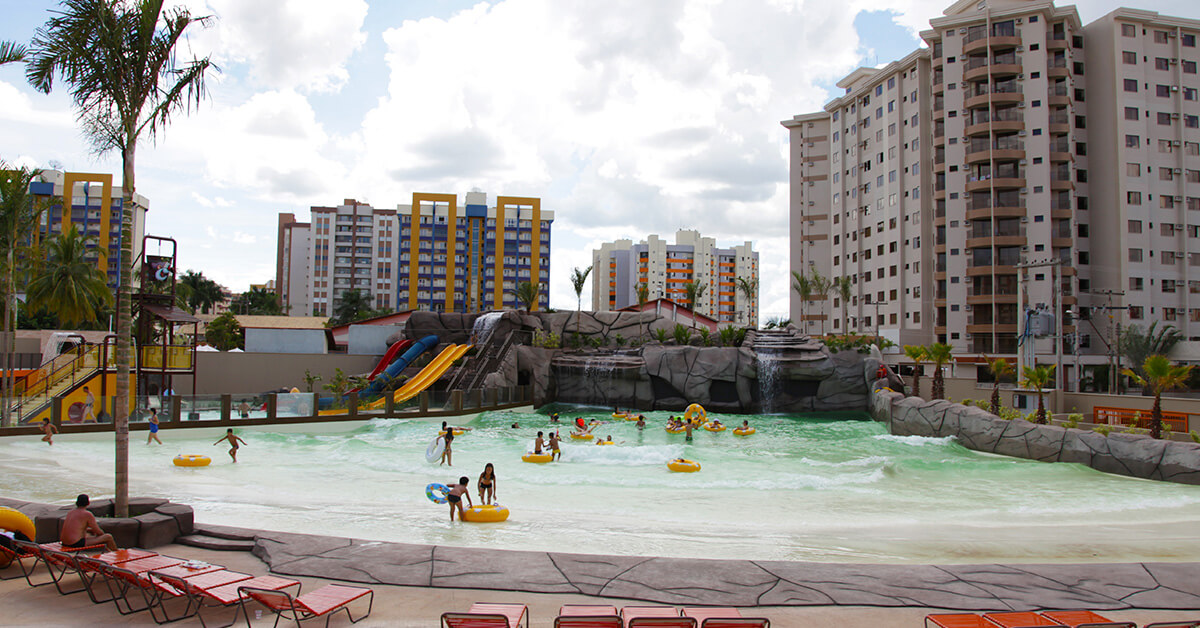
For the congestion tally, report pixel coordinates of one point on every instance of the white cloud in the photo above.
(241, 237)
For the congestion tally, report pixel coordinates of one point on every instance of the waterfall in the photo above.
(481, 331)
(768, 380)
(598, 373)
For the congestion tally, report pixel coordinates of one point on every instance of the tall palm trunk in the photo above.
(995, 407)
(1041, 411)
(917, 380)
(1156, 419)
(124, 335)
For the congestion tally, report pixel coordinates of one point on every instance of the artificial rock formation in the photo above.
(152, 522)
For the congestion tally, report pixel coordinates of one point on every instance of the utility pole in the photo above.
(1114, 327)
(1027, 354)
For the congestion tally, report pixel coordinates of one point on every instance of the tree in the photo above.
(527, 294)
(1137, 345)
(803, 287)
(842, 286)
(578, 278)
(642, 288)
(1038, 378)
(257, 301)
(225, 333)
(353, 305)
(918, 354)
(11, 52)
(68, 284)
(1001, 369)
(939, 354)
(20, 214)
(1159, 375)
(693, 291)
(820, 285)
(749, 290)
(202, 293)
(120, 61)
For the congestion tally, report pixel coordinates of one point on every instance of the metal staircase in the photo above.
(488, 358)
(57, 377)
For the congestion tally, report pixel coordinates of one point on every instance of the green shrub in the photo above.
(732, 336)
(620, 340)
(682, 334)
(661, 335)
(1073, 420)
(548, 339)
(1194, 435)
(704, 336)
(1103, 430)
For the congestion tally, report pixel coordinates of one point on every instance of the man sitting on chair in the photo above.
(81, 530)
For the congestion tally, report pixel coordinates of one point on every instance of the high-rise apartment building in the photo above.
(458, 258)
(955, 187)
(665, 269)
(92, 204)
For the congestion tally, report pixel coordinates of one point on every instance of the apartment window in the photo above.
(1133, 170)
(1128, 57)
(1166, 202)
(891, 82)
(1189, 93)
(1168, 259)
(1189, 41)
(1189, 67)
(1193, 176)
(1191, 122)
(1135, 255)
(1131, 85)
(1161, 63)
(1164, 174)
(1160, 37)
(1191, 148)
(1132, 141)
(1128, 30)
(1135, 283)
(1135, 312)
(1193, 203)
(1131, 113)
(1162, 91)
(1135, 226)
(1164, 118)
(1133, 198)
(1164, 146)
(1170, 313)
(1166, 229)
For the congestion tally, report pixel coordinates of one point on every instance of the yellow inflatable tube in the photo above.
(191, 460)
(16, 521)
(676, 430)
(681, 465)
(537, 458)
(485, 514)
(605, 442)
(696, 413)
(711, 428)
(578, 436)
(743, 431)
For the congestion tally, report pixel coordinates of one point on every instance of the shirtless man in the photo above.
(89, 404)
(555, 453)
(538, 443)
(233, 443)
(687, 426)
(641, 422)
(454, 497)
(49, 430)
(80, 529)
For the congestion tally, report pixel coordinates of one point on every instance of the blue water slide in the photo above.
(402, 362)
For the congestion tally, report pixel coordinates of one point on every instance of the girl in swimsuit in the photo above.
(449, 438)
(153, 427)
(487, 485)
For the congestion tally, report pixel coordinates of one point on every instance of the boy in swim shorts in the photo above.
(233, 443)
(556, 454)
(538, 443)
(454, 497)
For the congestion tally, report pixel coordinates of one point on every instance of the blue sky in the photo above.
(625, 117)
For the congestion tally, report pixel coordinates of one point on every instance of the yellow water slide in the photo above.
(428, 375)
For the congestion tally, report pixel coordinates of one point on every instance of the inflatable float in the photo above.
(191, 460)
(433, 452)
(487, 513)
(578, 436)
(695, 414)
(714, 428)
(681, 465)
(605, 442)
(743, 431)
(457, 432)
(16, 521)
(676, 430)
(437, 493)
(537, 458)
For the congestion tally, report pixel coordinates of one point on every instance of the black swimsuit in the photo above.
(453, 499)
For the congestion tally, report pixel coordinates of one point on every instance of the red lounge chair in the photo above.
(56, 567)
(724, 617)
(1019, 619)
(1194, 623)
(323, 602)
(222, 589)
(161, 599)
(1085, 619)
(957, 620)
(485, 615)
(587, 616)
(25, 561)
(657, 616)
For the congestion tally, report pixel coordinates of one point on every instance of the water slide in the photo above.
(428, 375)
(379, 380)
(391, 354)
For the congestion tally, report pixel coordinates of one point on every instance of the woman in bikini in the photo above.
(487, 485)
(449, 439)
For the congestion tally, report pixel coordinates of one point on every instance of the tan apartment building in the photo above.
(1003, 124)
(620, 267)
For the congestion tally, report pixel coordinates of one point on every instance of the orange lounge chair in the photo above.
(222, 589)
(1086, 619)
(161, 599)
(1193, 623)
(587, 616)
(1019, 619)
(324, 602)
(656, 616)
(56, 566)
(18, 557)
(957, 620)
(724, 617)
(485, 615)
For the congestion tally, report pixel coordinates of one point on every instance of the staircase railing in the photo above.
(486, 360)
(71, 370)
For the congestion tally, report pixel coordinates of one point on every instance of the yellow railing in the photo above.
(179, 358)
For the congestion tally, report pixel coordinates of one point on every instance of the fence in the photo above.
(1177, 421)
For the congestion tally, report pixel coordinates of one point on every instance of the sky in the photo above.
(625, 117)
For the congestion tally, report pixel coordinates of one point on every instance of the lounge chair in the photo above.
(486, 615)
(324, 602)
(24, 560)
(1019, 619)
(657, 616)
(57, 567)
(724, 617)
(222, 589)
(1085, 619)
(957, 620)
(587, 616)
(165, 603)
(1193, 623)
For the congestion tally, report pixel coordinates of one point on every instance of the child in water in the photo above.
(454, 497)
(555, 453)
(49, 431)
(487, 485)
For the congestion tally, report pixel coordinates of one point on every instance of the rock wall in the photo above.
(1124, 454)
(152, 522)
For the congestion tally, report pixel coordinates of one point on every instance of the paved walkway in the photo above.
(735, 582)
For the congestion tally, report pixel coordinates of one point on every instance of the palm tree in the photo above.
(918, 354)
(352, 306)
(939, 354)
(19, 218)
(578, 278)
(202, 292)
(749, 290)
(821, 285)
(1038, 377)
(1160, 376)
(693, 291)
(257, 300)
(842, 286)
(803, 287)
(69, 285)
(1000, 369)
(527, 293)
(119, 59)
(11, 52)
(643, 294)
(1137, 345)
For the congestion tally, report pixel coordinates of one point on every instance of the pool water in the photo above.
(802, 488)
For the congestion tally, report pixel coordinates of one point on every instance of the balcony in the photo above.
(982, 299)
(1004, 95)
(1056, 41)
(997, 240)
(984, 212)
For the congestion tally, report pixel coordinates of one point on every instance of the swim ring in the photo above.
(746, 431)
(620, 415)
(681, 465)
(486, 513)
(695, 413)
(191, 460)
(605, 442)
(457, 432)
(538, 458)
(16, 521)
(437, 492)
(711, 428)
(433, 452)
(578, 436)
(676, 430)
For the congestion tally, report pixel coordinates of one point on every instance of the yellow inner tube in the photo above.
(744, 431)
(683, 466)
(605, 442)
(709, 427)
(620, 415)
(16, 521)
(676, 430)
(538, 458)
(456, 432)
(695, 412)
(191, 460)
(577, 436)
(485, 514)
